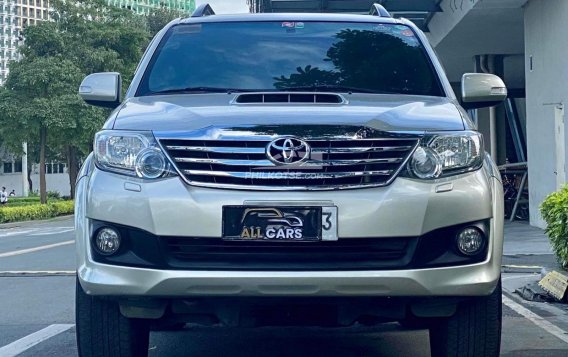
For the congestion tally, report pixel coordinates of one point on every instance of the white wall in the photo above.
(547, 83)
(55, 182)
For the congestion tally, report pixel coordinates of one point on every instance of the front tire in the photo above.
(103, 331)
(474, 330)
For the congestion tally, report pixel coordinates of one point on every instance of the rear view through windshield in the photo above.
(279, 56)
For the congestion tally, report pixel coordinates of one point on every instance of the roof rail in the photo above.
(379, 10)
(203, 10)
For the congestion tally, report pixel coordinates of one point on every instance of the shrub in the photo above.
(554, 210)
(35, 211)
(24, 199)
(53, 194)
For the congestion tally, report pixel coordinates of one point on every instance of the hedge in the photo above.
(36, 211)
(554, 210)
(21, 202)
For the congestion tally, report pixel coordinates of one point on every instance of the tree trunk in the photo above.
(42, 183)
(72, 167)
(30, 183)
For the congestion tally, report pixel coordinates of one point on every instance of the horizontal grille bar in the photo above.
(219, 150)
(311, 163)
(264, 175)
(360, 149)
(260, 150)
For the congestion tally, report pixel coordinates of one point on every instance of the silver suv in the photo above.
(289, 169)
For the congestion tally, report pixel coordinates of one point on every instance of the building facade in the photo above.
(15, 15)
(145, 6)
(29, 12)
(8, 36)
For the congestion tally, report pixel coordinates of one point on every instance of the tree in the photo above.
(308, 76)
(159, 18)
(34, 101)
(367, 59)
(40, 102)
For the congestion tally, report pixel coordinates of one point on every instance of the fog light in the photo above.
(107, 241)
(470, 241)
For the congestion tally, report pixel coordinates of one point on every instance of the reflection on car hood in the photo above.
(198, 111)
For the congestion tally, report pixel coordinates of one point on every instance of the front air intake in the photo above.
(300, 98)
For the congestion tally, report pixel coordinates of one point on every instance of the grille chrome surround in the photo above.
(240, 161)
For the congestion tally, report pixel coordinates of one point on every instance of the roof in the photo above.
(290, 16)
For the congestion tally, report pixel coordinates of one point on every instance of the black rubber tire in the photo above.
(474, 330)
(103, 331)
(415, 323)
(174, 326)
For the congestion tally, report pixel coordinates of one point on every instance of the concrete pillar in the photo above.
(500, 116)
(546, 72)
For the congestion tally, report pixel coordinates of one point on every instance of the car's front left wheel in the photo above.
(103, 331)
(473, 331)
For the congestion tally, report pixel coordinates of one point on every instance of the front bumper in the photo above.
(405, 208)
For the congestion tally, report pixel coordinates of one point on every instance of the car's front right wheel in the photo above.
(473, 331)
(103, 331)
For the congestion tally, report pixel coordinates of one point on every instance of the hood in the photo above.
(376, 111)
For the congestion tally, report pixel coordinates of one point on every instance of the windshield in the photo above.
(276, 56)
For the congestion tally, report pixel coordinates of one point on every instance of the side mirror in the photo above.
(481, 90)
(102, 89)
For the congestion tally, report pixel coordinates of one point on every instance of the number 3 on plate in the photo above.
(329, 223)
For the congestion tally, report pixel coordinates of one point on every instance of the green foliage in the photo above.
(159, 18)
(53, 195)
(32, 198)
(39, 103)
(554, 210)
(35, 211)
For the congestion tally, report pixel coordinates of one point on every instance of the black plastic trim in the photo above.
(434, 249)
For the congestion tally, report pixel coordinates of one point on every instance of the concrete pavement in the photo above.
(527, 246)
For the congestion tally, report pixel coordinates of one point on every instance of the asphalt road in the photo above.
(37, 314)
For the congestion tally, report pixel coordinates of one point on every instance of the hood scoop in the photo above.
(291, 98)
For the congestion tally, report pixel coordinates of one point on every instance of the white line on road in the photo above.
(54, 232)
(35, 273)
(25, 343)
(536, 319)
(40, 231)
(31, 250)
(15, 233)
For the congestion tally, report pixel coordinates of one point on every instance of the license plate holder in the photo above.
(279, 224)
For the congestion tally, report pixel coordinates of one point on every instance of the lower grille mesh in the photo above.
(347, 254)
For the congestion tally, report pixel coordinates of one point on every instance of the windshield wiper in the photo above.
(332, 87)
(199, 90)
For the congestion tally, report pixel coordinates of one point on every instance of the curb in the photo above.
(17, 224)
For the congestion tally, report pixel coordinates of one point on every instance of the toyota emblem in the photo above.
(287, 150)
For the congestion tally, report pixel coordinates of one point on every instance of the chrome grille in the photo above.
(333, 163)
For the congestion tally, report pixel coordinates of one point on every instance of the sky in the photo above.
(226, 6)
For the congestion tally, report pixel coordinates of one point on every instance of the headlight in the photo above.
(130, 153)
(444, 154)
